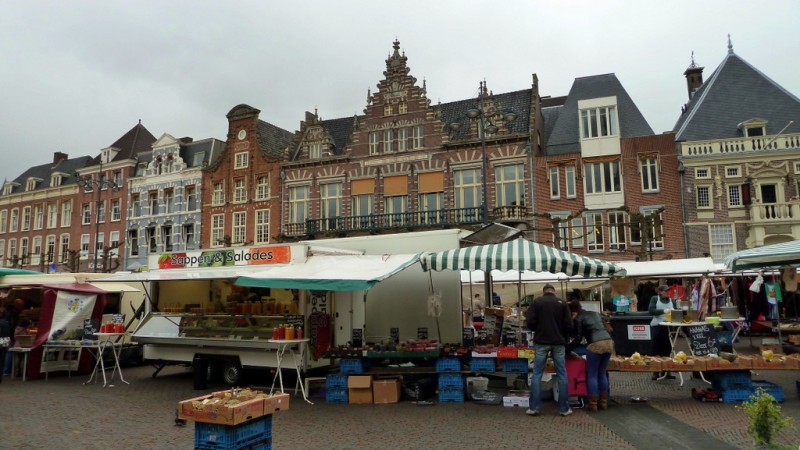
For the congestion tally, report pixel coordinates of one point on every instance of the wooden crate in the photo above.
(692, 364)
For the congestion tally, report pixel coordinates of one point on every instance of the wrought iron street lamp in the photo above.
(98, 184)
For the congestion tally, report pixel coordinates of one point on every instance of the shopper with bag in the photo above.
(589, 325)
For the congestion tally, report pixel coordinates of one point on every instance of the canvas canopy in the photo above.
(331, 273)
(786, 254)
(9, 271)
(519, 255)
(670, 267)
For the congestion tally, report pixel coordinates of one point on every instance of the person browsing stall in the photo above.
(551, 322)
(659, 305)
(590, 326)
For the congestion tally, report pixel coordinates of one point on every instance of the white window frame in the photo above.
(239, 190)
(330, 200)
(116, 210)
(594, 173)
(577, 230)
(169, 200)
(374, 143)
(26, 218)
(86, 213)
(562, 230)
(101, 211)
(509, 185)
(36, 250)
(2, 252)
(133, 242)
(299, 204)
(3, 221)
(657, 240)
(315, 150)
(595, 236)
(735, 199)
(418, 138)
(719, 250)
(52, 215)
(85, 246)
(617, 231)
(240, 160)
(218, 194)
(63, 247)
(709, 196)
(191, 198)
(113, 240)
(702, 173)
(569, 177)
(553, 181)
(239, 228)
(262, 187)
(261, 226)
(648, 168)
(99, 244)
(38, 217)
(403, 139)
(599, 122)
(13, 223)
(217, 230)
(467, 191)
(388, 141)
(733, 171)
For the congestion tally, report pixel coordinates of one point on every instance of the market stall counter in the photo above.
(631, 332)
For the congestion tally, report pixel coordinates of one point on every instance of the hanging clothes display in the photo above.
(706, 288)
(774, 298)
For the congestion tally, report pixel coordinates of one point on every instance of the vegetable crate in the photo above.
(735, 396)
(734, 379)
(515, 365)
(210, 436)
(336, 381)
(483, 365)
(336, 395)
(770, 388)
(451, 396)
(451, 381)
(448, 365)
(351, 366)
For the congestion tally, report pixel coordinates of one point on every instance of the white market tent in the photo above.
(528, 277)
(786, 254)
(670, 268)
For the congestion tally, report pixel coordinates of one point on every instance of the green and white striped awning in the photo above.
(786, 254)
(519, 255)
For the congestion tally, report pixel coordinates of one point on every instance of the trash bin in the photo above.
(631, 332)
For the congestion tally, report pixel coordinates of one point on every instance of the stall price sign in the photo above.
(394, 333)
(118, 318)
(483, 335)
(704, 340)
(468, 336)
(358, 337)
(422, 333)
(295, 320)
(90, 327)
(510, 337)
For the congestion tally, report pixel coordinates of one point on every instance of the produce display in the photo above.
(232, 407)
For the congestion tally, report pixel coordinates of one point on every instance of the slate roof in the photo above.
(213, 148)
(44, 172)
(564, 136)
(518, 102)
(272, 139)
(340, 131)
(137, 139)
(734, 93)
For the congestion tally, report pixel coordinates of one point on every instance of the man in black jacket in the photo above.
(550, 320)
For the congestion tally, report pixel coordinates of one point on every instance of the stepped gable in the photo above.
(735, 93)
(564, 136)
(518, 102)
(337, 132)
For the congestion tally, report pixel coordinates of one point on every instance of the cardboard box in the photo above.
(386, 390)
(778, 362)
(275, 403)
(740, 363)
(218, 413)
(646, 364)
(360, 388)
(516, 400)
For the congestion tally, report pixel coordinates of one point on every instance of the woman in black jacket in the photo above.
(590, 326)
(5, 332)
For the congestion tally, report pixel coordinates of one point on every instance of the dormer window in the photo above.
(31, 184)
(55, 180)
(753, 127)
(7, 188)
(197, 159)
(598, 122)
(314, 151)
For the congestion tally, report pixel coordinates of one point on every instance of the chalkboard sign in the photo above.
(704, 339)
(358, 337)
(509, 337)
(422, 333)
(468, 337)
(295, 320)
(394, 333)
(483, 335)
(90, 327)
(118, 318)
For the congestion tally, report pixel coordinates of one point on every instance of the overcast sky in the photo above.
(76, 75)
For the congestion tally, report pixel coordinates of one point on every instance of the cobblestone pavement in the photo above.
(63, 413)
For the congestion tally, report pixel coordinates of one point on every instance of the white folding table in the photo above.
(298, 356)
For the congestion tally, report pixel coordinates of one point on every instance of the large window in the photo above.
(262, 188)
(240, 160)
(616, 230)
(133, 242)
(510, 184)
(218, 194)
(239, 191)
(330, 197)
(166, 236)
(86, 213)
(136, 206)
(101, 211)
(577, 232)
(188, 236)
(704, 197)
(569, 174)
(314, 150)
(603, 177)
(26, 218)
(84, 246)
(649, 169)
(12, 248)
(555, 192)
(388, 141)
(598, 122)
(116, 213)
(52, 215)
(395, 206)
(64, 250)
(38, 217)
(239, 228)
(467, 193)
(419, 137)
(14, 220)
(374, 143)
(654, 220)
(113, 244)
(594, 232)
(735, 195)
(66, 214)
(3, 221)
(2, 252)
(217, 230)
(403, 139)
(561, 235)
(169, 201)
(191, 198)
(298, 204)
(36, 250)
(721, 238)
(152, 199)
(100, 244)
(262, 226)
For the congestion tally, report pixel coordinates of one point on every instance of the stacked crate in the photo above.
(256, 433)
(336, 388)
(734, 386)
(451, 388)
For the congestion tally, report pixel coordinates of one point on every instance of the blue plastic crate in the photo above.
(336, 381)
(451, 396)
(725, 337)
(451, 381)
(733, 379)
(336, 395)
(734, 396)
(483, 365)
(211, 436)
(515, 365)
(770, 388)
(351, 366)
(448, 365)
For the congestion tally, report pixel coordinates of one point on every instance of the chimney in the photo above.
(186, 140)
(58, 157)
(694, 77)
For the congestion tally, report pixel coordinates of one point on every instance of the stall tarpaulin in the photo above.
(10, 271)
(786, 254)
(331, 273)
(519, 255)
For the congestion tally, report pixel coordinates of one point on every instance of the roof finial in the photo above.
(692, 65)
(730, 45)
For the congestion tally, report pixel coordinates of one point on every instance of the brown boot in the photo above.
(603, 403)
(592, 404)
